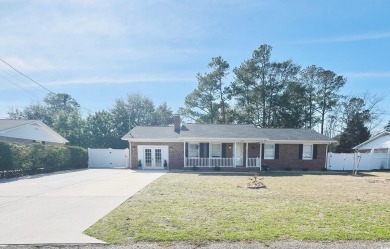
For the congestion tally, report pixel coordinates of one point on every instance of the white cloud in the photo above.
(84, 2)
(349, 38)
(30, 65)
(130, 80)
(84, 34)
(366, 75)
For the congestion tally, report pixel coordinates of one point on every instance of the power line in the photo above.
(15, 84)
(26, 76)
(40, 85)
(17, 77)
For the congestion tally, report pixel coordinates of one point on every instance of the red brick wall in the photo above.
(289, 158)
(175, 151)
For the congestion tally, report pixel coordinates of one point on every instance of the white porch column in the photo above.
(184, 155)
(261, 144)
(246, 155)
(235, 154)
(327, 157)
(209, 157)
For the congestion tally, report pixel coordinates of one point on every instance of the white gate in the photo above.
(108, 158)
(359, 161)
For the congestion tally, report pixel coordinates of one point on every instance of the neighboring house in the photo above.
(28, 132)
(234, 147)
(378, 143)
(372, 154)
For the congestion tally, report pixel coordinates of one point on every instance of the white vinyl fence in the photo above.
(108, 158)
(359, 161)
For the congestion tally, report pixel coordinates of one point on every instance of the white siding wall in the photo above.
(32, 132)
(380, 142)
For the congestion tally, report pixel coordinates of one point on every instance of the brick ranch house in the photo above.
(228, 146)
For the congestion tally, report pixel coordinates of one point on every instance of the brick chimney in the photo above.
(176, 122)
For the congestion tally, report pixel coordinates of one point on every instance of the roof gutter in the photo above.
(303, 141)
(151, 140)
(211, 139)
(201, 139)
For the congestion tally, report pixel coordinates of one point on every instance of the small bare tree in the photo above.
(357, 157)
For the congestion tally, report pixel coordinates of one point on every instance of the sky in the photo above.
(99, 51)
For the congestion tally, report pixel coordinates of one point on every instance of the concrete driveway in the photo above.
(57, 208)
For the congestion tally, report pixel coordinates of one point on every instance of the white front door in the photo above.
(239, 154)
(153, 157)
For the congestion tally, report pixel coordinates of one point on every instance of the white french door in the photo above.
(153, 157)
(239, 154)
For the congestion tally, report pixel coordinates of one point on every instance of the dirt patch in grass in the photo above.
(200, 207)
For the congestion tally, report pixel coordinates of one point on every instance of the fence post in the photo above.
(388, 157)
(89, 158)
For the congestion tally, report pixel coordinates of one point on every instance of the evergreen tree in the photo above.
(259, 85)
(355, 133)
(99, 131)
(208, 102)
(356, 116)
(163, 115)
(327, 95)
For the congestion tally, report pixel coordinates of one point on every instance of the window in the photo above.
(216, 150)
(307, 152)
(269, 151)
(193, 150)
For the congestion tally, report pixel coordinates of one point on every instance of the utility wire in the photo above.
(34, 82)
(20, 79)
(27, 76)
(15, 84)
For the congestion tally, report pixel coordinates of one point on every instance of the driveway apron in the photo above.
(57, 208)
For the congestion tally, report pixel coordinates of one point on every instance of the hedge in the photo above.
(18, 159)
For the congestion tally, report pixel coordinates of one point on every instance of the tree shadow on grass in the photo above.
(252, 173)
(280, 173)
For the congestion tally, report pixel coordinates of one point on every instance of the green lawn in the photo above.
(201, 208)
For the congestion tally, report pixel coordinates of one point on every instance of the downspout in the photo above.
(130, 166)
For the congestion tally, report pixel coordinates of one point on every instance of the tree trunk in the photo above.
(310, 112)
(222, 102)
(323, 116)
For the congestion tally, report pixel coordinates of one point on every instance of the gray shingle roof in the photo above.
(152, 132)
(293, 134)
(223, 131)
(218, 131)
(6, 124)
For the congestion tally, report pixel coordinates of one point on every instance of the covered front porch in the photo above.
(223, 154)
